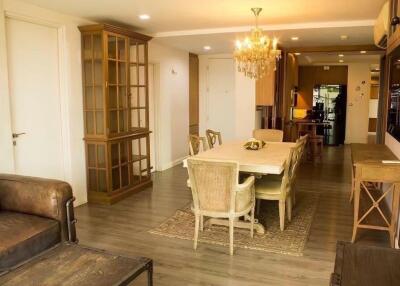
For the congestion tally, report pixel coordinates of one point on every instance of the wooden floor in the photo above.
(123, 228)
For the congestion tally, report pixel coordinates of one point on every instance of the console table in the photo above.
(73, 265)
(364, 152)
(370, 174)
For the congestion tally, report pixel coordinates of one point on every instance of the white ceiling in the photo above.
(190, 25)
(225, 42)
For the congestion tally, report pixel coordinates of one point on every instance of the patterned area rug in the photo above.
(291, 241)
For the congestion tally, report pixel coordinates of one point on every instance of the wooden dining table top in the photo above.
(268, 160)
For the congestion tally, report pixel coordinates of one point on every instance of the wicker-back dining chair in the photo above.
(213, 137)
(280, 190)
(268, 135)
(197, 144)
(217, 193)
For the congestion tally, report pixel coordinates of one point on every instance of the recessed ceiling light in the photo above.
(363, 52)
(144, 17)
(341, 61)
(207, 48)
(297, 54)
(344, 37)
(341, 55)
(294, 38)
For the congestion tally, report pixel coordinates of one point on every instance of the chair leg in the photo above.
(196, 230)
(252, 222)
(258, 202)
(201, 223)
(289, 207)
(282, 214)
(231, 235)
(293, 196)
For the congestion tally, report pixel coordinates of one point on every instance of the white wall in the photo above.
(72, 106)
(172, 94)
(245, 91)
(358, 94)
(243, 106)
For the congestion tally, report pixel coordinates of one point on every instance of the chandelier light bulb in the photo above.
(274, 43)
(238, 45)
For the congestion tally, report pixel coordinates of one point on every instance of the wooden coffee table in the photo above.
(365, 265)
(73, 265)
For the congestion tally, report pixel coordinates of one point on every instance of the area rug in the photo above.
(291, 241)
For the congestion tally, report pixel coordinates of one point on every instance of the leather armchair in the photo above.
(35, 214)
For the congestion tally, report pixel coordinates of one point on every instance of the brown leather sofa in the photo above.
(33, 217)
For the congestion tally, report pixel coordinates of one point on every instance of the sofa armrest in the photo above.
(41, 197)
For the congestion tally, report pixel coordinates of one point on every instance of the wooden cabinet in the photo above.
(265, 89)
(116, 111)
(394, 22)
(393, 101)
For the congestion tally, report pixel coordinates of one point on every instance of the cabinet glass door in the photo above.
(138, 87)
(117, 84)
(93, 84)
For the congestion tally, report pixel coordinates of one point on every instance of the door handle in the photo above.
(16, 135)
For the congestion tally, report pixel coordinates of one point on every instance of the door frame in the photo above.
(156, 118)
(64, 84)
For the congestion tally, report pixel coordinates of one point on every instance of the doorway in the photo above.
(329, 104)
(193, 94)
(35, 99)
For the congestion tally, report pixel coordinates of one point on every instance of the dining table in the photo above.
(268, 160)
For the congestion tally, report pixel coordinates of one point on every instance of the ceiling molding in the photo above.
(353, 48)
(279, 27)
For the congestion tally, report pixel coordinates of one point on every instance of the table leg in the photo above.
(357, 190)
(314, 130)
(150, 274)
(395, 213)
(352, 182)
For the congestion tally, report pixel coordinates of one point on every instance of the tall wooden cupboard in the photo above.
(116, 112)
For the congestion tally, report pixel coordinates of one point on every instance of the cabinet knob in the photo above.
(395, 21)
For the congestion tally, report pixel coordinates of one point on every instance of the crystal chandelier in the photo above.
(258, 53)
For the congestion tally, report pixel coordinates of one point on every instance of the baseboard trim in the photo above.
(173, 163)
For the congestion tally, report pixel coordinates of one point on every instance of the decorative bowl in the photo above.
(254, 144)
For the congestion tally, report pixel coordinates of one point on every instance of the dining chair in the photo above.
(217, 193)
(197, 144)
(268, 188)
(268, 135)
(302, 141)
(213, 137)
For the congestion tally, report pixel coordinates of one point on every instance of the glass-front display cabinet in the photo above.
(116, 111)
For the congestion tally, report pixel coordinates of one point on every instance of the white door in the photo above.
(35, 99)
(221, 97)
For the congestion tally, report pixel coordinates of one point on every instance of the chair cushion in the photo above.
(23, 236)
(243, 201)
(267, 187)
